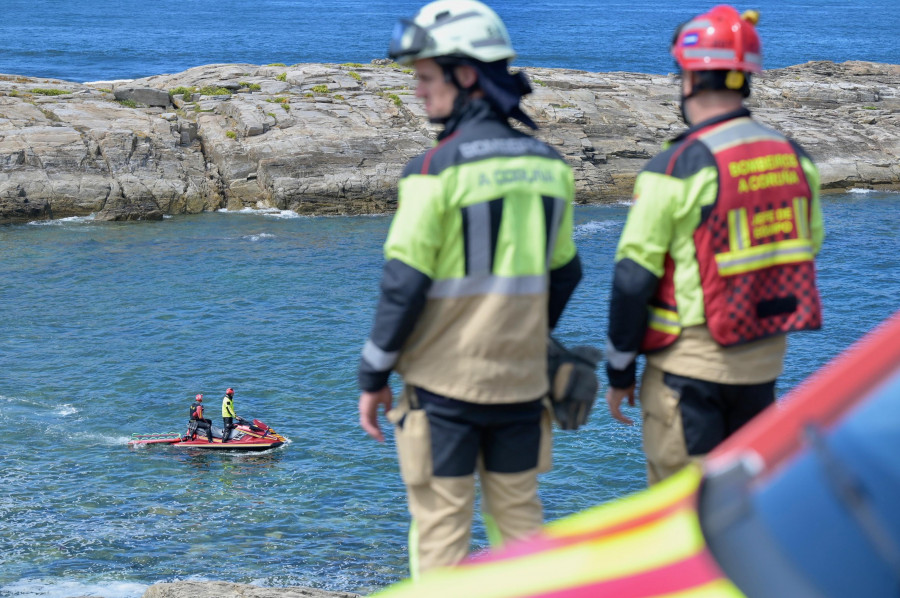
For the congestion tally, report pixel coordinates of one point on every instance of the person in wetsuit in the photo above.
(197, 421)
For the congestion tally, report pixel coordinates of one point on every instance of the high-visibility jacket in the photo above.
(228, 407)
(723, 232)
(480, 262)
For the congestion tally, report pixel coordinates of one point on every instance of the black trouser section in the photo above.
(507, 436)
(200, 424)
(711, 412)
(227, 425)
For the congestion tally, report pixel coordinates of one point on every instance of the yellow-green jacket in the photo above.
(480, 263)
(228, 407)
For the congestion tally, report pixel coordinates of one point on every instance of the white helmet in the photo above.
(457, 28)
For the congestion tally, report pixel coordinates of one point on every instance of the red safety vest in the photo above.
(197, 411)
(753, 244)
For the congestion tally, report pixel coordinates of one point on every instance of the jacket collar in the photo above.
(474, 110)
(740, 112)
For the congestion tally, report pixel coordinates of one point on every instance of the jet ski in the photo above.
(245, 436)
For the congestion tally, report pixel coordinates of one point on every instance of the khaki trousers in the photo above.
(442, 512)
(663, 432)
(442, 507)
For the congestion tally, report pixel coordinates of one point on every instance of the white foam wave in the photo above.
(261, 210)
(41, 588)
(865, 191)
(115, 440)
(63, 221)
(594, 227)
(283, 214)
(65, 410)
(259, 237)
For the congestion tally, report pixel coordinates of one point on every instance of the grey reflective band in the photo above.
(618, 360)
(478, 249)
(741, 132)
(449, 20)
(753, 57)
(697, 24)
(739, 240)
(491, 41)
(379, 359)
(559, 206)
(709, 53)
(670, 322)
(801, 217)
(488, 284)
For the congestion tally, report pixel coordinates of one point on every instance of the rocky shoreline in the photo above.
(222, 589)
(333, 139)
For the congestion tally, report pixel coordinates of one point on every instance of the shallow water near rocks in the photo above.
(111, 329)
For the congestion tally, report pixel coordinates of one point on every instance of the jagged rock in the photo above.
(221, 589)
(143, 95)
(333, 139)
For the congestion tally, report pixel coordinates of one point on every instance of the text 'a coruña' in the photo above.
(505, 176)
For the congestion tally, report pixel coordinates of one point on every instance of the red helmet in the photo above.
(199, 398)
(230, 392)
(720, 40)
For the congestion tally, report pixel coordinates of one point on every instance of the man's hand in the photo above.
(614, 398)
(368, 410)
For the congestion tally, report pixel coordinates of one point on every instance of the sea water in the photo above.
(112, 39)
(110, 329)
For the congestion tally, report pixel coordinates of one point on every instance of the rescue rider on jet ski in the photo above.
(228, 414)
(198, 422)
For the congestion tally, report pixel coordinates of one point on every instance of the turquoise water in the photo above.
(110, 329)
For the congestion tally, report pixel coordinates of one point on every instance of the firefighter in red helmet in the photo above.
(716, 260)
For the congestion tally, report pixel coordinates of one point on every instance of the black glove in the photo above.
(573, 382)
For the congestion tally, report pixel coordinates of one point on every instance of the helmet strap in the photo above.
(685, 97)
(683, 110)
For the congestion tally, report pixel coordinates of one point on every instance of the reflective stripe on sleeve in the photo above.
(618, 360)
(664, 320)
(379, 359)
